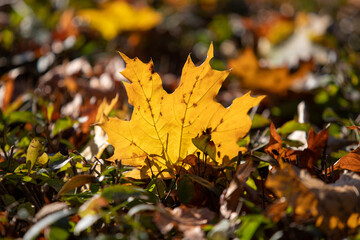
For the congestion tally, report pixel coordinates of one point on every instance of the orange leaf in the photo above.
(275, 148)
(316, 142)
(308, 157)
(274, 80)
(351, 161)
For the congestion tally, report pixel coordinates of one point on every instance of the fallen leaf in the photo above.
(275, 148)
(6, 90)
(97, 145)
(304, 159)
(354, 128)
(351, 161)
(66, 26)
(188, 220)
(271, 80)
(300, 46)
(117, 16)
(163, 125)
(275, 27)
(330, 206)
(230, 200)
(49, 209)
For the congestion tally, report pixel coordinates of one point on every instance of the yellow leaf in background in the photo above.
(162, 125)
(117, 16)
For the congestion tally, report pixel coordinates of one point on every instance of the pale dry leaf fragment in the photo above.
(163, 125)
(49, 209)
(97, 145)
(187, 220)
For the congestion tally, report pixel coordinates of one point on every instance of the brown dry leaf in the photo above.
(66, 26)
(275, 27)
(76, 181)
(354, 128)
(329, 205)
(6, 90)
(189, 221)
(163, 125)
(316, 143)
(230, 203)
(351, 161)
(307, 158)
(275, 148)
(274, 80)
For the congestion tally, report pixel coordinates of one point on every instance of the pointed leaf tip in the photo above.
(210, 53)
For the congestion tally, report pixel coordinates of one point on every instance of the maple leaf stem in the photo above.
(204, 171)
(198, 162)
(148, 162)
(238, 159)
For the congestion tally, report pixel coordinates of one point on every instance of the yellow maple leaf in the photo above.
(117, 16)
(162, 125)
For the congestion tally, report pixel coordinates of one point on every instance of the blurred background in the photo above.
(64, 52)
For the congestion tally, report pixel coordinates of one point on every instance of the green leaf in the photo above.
(292, 126)
(33, 152)
(58, 161)
(43, 159)
(50, 111)
(62, 124)
(21, 116)
(157, 186)
(205, 144)
(250, 225)
(259, 121)
(185, 190)
(121, 193)
(58, 233)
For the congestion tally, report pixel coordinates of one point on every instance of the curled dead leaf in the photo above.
(304, 159)
(351, 161)
(230, 200)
